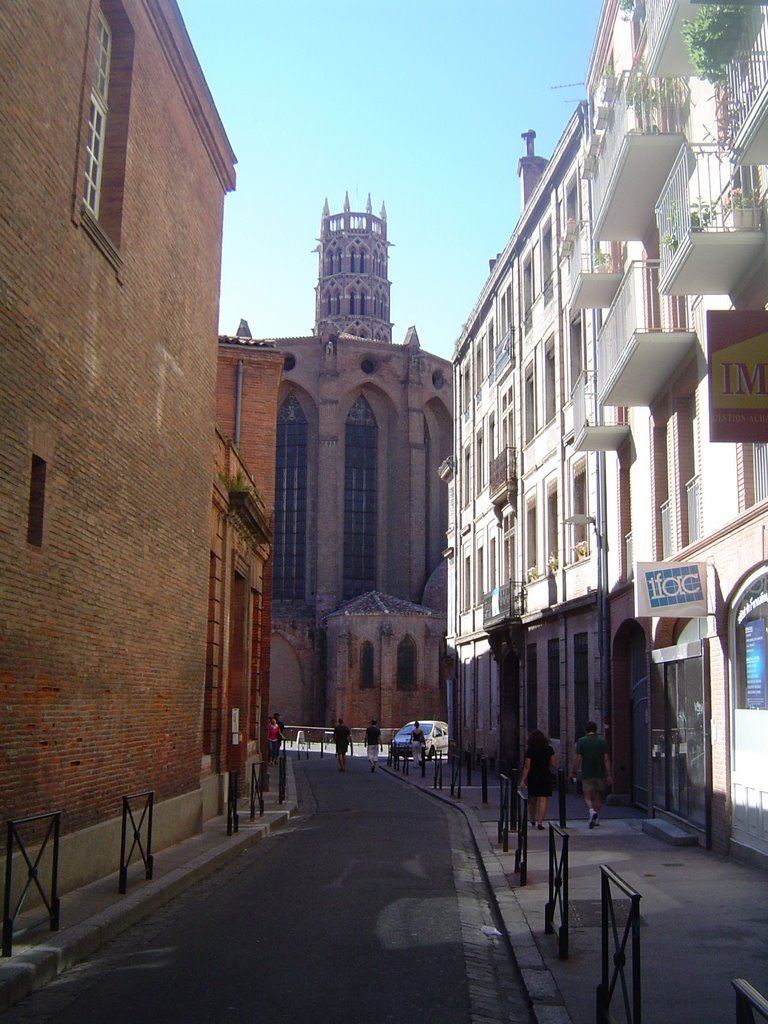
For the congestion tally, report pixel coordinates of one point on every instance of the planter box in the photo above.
(745, 218)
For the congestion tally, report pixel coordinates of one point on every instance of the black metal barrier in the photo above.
(52, 903)
(423, 762)
(456, 776)
(233, 820)
(521, 853)
(614, 950)
(302, 744)
(505, 810)
(147, 813)
(437, 782)
(257, 788)
(281, 778)
(748, 1002)
(484, 778)
(558, 889)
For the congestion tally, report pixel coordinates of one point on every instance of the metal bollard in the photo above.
(561, 795)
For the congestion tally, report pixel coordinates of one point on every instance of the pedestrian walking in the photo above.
(341, 735)
(280, 731)
(273, 740)
(418, 743)
(372, 741)
(593, 759)
(538, 766)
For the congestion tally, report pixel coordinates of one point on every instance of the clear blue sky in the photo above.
(420, 103)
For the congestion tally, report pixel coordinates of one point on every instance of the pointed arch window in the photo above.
(406, 664)
(360, 464)
(362, 304)
(361, 262)
(351, 302)
(290, 537)
(366, 665)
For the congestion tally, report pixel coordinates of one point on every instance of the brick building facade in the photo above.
(362, 428)
(112, 182)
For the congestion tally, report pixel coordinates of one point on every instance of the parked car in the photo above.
(435, 733)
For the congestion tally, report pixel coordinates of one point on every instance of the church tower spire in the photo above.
(352, 294)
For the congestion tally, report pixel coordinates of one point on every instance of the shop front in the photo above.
(748, 628)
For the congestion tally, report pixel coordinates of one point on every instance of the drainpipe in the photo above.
(238, 400)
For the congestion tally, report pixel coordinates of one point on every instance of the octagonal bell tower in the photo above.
(352, 294)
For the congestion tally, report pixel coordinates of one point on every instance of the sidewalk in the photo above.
(704, 918)
(96, 913)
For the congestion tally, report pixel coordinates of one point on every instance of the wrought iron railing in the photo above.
(749, 1003)
(50, 898)
(145, 819)
(257, 788)
(747, 73)
(504, 603)
(693, 496)
(665, 512)
(620, 942)
(558, 889)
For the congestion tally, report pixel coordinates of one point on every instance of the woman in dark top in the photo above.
(540, 763)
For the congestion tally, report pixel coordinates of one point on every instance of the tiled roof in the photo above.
(376, 603)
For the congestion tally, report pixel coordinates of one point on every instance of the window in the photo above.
(36, 511)
(532, 689)
(480, 582)
(479, 462)
(530, 404)
(550, 395)
(406, 664)
(479, 372)
(97, 119)
(360, 463)
(552, 545)
(577, 357)
(509, 548)
(106, 141)
(290, 535)
(530, 536)
(467, 602)
(351, 302)
(366, 665)
(492, 570)
(579, 507)
(491, 346)
(760, 462)
(553, 686)
(467, 476)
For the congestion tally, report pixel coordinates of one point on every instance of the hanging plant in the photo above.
(712, 39)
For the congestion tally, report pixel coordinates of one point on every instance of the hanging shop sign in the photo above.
(671, 589)
(737, 351)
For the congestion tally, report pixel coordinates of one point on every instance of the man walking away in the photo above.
(341, 735)
(593, 759)
(372, 741)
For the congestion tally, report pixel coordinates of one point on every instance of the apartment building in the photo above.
(523, 555)
(674, 164)
(631, 428)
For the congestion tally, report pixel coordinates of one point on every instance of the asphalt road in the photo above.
(368, 906)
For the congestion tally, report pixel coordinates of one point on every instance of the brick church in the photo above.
(363, 425)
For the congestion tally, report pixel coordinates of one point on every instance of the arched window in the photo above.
(360, 463)
(351, 303)
(290, 536)
(361, 263)
(362, 304)
(329, 304)
(406, 664)
(366, 665)
(352, 260)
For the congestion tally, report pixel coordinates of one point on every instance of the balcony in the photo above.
(644, 340)
(503, 604)
(503, 478)
(708, 244)
(644, 135)
(604, 431)
(595, 276)
(667, 53)
(693, 503)
(748, 94)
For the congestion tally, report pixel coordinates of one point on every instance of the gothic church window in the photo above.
(406, 664)
(290, 502)
(360, 466)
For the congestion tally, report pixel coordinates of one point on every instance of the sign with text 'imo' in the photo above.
(671, 589)
(737, 351)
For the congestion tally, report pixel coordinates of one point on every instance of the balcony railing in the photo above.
(601, 430)
(644, 109)
(503, 604)
(505, 350)
(693, 495)
(503, 477)
(643, 339)
(747, 81)
(709, 237)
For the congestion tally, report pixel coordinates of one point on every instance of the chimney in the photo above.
(530, 168)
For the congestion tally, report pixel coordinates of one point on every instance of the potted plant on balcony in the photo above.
(743, 209)
(712, 38)
(581, 550)
(532, 574)
(553, 564)
(703, 213)
(601, 261)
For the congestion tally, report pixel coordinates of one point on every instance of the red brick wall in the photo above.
(108, 376)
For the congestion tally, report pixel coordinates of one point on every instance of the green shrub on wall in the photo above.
(712, 38)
